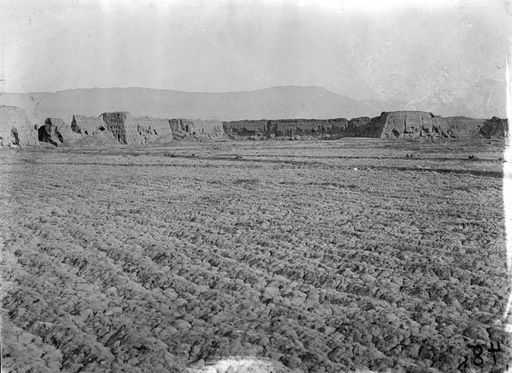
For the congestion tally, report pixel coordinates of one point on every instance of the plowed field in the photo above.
(323, 256)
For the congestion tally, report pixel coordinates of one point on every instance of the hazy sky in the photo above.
(372, 49)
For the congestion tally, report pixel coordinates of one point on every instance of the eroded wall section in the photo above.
(15, 127)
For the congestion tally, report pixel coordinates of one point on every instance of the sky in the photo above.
(442, 50)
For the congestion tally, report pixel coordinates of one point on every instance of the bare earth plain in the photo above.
(321, 256)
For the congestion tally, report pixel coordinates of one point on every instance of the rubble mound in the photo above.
(15, 127)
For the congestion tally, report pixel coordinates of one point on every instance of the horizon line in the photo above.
(364, 100)
(179, 90)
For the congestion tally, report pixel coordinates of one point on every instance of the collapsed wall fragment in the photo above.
(15, 127)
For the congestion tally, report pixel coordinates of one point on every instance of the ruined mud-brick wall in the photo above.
(331, 128)
(182, 128)
(93, 131)
(64, 129)
(363, 127)
(308, 127)
(47, 132)
(87, 125)
(412, 124)
(285, 127)
(398, 124)
(495, 128)
(141, 130)
(415, 124)
(246, 128)
(15, 127)
(204, 128)
(464, 127)
(176, 125)
(57, 132)
(135, 130)
(178, 128)
(115, 124)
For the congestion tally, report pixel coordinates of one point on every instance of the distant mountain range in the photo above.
(270, 103)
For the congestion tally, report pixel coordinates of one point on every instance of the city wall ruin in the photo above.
(123, 128)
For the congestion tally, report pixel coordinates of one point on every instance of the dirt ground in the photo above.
(319, 256)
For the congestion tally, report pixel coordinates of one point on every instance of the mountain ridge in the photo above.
(181, 91)
(278, 102)
(272, 103)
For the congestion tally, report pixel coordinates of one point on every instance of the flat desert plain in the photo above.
(316, 256)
